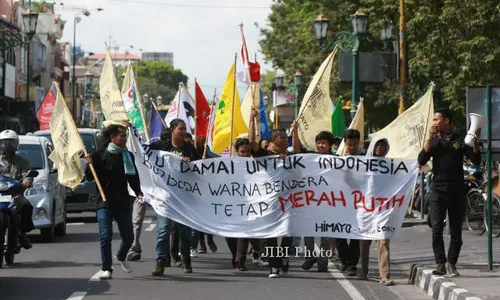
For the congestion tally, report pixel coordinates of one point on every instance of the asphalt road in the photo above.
(66, 269)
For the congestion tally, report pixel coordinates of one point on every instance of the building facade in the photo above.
(158, 56)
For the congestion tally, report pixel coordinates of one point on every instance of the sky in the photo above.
(203, 34)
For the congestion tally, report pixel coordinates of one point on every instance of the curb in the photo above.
(437, 287)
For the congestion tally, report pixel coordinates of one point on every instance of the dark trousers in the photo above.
(348, 252)
(181, 238)
(9, 219)
(123, 219)
(25, 211)
(274, 253)
(210, 238)
(439, 204)
(239, 248)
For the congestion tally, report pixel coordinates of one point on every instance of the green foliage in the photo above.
(155, 78)
(450, 42)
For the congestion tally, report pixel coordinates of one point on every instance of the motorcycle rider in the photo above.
(14, 166)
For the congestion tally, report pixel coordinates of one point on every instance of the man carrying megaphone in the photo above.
(447, 150)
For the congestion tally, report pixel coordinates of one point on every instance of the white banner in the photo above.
(303, 195)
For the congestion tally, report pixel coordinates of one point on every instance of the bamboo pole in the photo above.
(232, 108)
(91, 165)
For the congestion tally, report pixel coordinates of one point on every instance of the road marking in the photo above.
(148, 221)
(96, 276)
(343, 281)
(77, 296)
(151, 227)
(73, 224)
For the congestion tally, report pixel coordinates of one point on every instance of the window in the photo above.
(33, 153)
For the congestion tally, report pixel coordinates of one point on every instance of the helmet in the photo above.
(9, 141)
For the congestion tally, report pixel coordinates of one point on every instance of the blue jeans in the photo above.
(163, 229)
(123, 219)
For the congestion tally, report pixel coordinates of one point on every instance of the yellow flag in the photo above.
(358, 123)
(228, 113)
(315, 113)
(67, 143)
(407, 133)
(111, 99)
(252, 99)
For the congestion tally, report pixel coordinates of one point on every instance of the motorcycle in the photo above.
(9, 189)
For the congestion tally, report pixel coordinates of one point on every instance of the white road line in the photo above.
(96, 276)
(73, 224)
(148, 221)
(343, 281)
(151, 227)
(77, 296)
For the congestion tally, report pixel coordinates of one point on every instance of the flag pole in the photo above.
(91, 165)
(247, 62)
(195, 115)
(139, 103)
(232, 107)
(158, 113)
(210, 124)
(179, 99)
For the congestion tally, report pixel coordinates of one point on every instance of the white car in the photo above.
(47, 196)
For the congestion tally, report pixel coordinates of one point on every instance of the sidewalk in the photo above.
(411, 253)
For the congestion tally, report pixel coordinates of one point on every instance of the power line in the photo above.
(191, 5)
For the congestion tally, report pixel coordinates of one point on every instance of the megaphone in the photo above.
(476, 121)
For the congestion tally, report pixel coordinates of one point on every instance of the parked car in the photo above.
(47, 196)
(84, 197)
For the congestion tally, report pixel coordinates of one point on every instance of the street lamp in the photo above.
(77, 19)
(298, 81)
(346, 41)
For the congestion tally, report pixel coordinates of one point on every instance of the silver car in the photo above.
(84, 197)
(47, 196)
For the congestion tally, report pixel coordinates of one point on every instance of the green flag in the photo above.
(338, 121)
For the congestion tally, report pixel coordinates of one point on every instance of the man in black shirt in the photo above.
(176, 145)
(115, 168)
(447, 150)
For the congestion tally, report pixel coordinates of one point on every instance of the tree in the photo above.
(450, 42)
(156, 78)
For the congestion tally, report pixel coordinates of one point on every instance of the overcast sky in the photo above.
(202, 35)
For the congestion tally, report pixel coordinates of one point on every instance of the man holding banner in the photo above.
(447, 150)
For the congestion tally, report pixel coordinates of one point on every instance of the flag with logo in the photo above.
(155, 125)
(67, 144)
(111, 100)
(182, 108)
(264, 127)
(407, 133)
(131, 102)
(315, 113)
(45, 110)
(228, 119)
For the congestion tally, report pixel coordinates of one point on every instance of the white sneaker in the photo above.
(105, 275)
(274, 273)
(255, 261)
(194, 253)
(125, 265)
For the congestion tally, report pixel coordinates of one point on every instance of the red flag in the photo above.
(254, 71)
(202, 112)
(45, 110)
